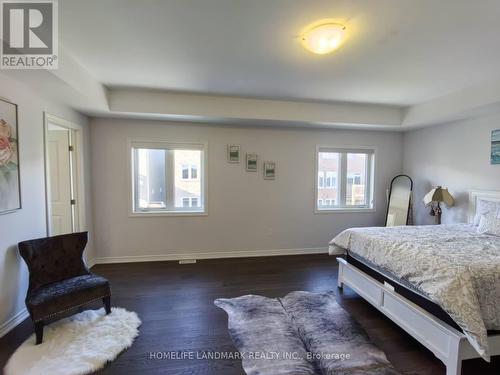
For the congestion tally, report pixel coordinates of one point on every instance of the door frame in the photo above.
(77, 175)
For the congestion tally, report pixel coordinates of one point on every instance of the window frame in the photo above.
(371, 168)
(168, 145)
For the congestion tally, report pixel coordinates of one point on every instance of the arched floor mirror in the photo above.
(399, 203)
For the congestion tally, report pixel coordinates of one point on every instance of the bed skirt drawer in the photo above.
(428, 332)
(363, 286)
(447, 343)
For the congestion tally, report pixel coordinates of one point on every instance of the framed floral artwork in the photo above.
(10, 192)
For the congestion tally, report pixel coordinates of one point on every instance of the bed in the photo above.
(439, 283)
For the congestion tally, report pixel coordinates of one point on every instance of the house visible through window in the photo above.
(168, 177)
(345, 178)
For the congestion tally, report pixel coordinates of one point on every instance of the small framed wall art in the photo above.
(233, 153)
(495, 146)
(251, 162)
(269, 170)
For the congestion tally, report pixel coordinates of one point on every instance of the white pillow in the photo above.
(489, 224)
(486, 208)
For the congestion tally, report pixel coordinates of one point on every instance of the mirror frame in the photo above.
(389, 198)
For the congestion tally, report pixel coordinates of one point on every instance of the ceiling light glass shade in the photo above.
(324, 38)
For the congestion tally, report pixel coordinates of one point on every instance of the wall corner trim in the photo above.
(11, 323)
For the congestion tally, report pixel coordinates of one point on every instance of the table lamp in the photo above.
(434, 197)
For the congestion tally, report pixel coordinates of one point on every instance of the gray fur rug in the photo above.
(302, 333)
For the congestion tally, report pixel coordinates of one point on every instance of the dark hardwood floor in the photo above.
(175, 303)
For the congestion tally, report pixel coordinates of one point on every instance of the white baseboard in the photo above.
(23, 314)
(13, 322)
(207, 255)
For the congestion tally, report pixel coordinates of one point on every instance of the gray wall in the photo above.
(246, 213)
(30, 221)
(454, 155)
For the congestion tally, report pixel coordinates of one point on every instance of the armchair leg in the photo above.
(39, 332)
(107, 304)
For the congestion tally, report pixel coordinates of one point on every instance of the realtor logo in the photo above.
(29, 34)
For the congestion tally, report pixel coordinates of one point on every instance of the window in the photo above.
(185, 172)
(330, 179)
(327, 179)
(189, 172)
(190, 202)
(345, 179)
(321, 180)
(326, 203)
(167, 178)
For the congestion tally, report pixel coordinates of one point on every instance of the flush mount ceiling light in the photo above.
(322, 37)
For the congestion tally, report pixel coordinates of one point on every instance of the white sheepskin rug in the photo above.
(80, 344)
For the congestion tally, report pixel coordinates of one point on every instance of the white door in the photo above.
(61, 212)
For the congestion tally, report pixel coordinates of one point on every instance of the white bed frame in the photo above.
(448, 344)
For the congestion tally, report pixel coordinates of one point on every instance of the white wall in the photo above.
(456, 156)
(30, 221)
(246, 213)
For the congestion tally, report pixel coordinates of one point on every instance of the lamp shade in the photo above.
(439, 194)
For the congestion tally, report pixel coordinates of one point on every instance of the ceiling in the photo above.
(398, 52)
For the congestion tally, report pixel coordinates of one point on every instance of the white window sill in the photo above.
(343, 210)
(167, 213)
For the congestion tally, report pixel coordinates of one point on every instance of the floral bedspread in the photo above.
(453, 265)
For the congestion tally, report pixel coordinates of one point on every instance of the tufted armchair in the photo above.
(59, 281)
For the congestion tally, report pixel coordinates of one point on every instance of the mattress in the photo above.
(402, 287)
(451, 265)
